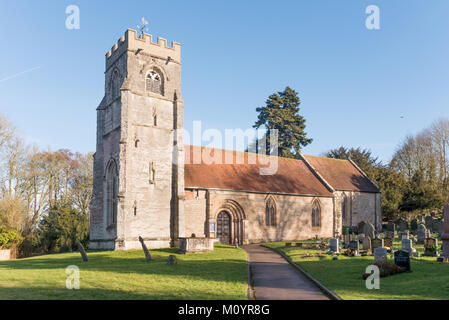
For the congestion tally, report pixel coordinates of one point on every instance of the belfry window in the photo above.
(316, 214)
(155, 82)
(270, 214)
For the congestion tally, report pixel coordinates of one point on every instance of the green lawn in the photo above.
(428, 280)
(221, 274)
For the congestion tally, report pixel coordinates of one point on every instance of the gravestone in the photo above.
(377, 243)
(406, 245)
(367, 244)
(430, 247)
(402, 259)
(360, 237)
(82, 251)
(172, 260)
(421, 233)
(391, 226)
(421, 219)
(428, 220)
(403, 235)
(388, 242)
(360, 227)
(354, 245)
(403, 225)
(369, 230)
(389, 234)
(145, 249)
(438, 226)
(346, 239)
(414, 225)
(333, 245)
(380, 255)
(445, 235)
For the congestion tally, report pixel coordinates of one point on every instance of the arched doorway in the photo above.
(224, 227)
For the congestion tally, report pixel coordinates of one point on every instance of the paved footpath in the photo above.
(275, 279)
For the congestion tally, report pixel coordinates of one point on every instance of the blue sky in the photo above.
(354, 83)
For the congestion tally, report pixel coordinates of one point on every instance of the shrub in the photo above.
(8, 238)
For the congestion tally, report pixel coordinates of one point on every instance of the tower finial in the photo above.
(142, 27)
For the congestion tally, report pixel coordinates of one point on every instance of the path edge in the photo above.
(251, 292)
(329, 293)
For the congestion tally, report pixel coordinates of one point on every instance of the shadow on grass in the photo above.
(61, 293)
(215, 266)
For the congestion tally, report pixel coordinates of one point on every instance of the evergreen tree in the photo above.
(62, 227)
(281, 112)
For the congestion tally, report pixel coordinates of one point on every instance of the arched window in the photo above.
(155, 82)
(115, 85)
(111, 194)
(316, 214)
(344, 206)
(270, 214)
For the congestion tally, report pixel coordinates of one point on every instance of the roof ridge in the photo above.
(261, 154)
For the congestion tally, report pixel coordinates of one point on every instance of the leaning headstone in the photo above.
(445, 235)
(380, 255)
(333, 245)
(406, 245)
(172, 260)
(367, 244)
(82, 251)
(402, 259)
(145, 249)
(421, 233)
(430, 247)
(377, 243)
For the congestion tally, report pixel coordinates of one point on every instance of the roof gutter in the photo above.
(261, 192)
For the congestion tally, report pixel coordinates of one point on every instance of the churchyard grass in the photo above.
(428, 280)
(221, 274)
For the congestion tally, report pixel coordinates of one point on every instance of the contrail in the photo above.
(19, 74)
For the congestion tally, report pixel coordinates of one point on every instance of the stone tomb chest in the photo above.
(194, 245)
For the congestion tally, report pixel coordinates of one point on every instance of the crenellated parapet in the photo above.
(131, 42)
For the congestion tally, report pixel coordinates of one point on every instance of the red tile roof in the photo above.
(341, 174)
(292, 176)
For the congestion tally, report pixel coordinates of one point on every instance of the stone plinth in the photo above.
(445, 235)
(194, 245)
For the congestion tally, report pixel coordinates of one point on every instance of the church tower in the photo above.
(139, 162)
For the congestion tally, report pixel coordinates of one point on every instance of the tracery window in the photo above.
(155, 82)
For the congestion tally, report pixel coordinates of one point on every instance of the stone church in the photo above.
(146, 184)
